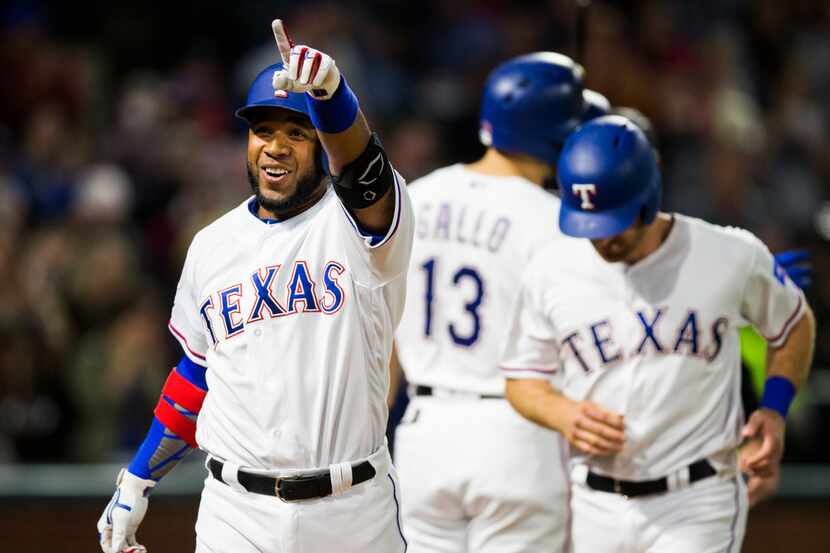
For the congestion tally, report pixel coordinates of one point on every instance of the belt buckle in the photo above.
(278, 489)
(618, 488)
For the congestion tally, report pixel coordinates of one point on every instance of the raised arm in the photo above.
(362, 176)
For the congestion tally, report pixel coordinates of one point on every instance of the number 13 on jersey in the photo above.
(464, 333)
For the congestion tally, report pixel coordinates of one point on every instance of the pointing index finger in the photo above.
(284, 43)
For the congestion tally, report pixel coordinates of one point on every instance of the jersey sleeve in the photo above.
(532, 349)
(385, 256)
(771, 302)
(185, 320)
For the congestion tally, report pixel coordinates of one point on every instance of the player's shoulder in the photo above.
(458, 178)
(437, 178)
(722, 238)
(558, 257)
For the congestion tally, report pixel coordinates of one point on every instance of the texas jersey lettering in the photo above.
(594, 345)
(223, 308)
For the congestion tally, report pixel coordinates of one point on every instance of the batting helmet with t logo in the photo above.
(609, 177)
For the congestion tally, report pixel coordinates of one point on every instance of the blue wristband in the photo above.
(335, 114)
(778, 394)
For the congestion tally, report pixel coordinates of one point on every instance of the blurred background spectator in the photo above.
(118, 142)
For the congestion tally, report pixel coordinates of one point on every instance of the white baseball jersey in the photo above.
(294, 322)
(474, 235)
(506, 487)
(656, 341)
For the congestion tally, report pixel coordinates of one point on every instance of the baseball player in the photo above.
(475, 475)
(285, 311)
(627, 344)
(753, 346)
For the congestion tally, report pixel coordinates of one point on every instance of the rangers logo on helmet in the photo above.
(585, 191)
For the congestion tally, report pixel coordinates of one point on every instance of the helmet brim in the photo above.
(248, 113)
(597, 225)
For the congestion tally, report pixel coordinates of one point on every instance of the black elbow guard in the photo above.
(365, 180)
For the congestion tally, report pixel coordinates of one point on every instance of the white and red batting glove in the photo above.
(306, 69)
(124, 512)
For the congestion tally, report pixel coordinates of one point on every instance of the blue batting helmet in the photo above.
(609, 176)
(531, 103)
(262, 95)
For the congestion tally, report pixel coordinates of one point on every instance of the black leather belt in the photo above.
(697, 471)
(421, 390)
(293, 488)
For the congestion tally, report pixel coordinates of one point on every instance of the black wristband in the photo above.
(365, 180)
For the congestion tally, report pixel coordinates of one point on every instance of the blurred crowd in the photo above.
(118, 142)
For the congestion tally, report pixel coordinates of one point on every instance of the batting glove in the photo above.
(305, 69)
(125, 511)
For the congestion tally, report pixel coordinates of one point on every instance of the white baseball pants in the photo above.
(478, 477)
(708, 516)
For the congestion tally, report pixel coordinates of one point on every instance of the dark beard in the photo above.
(308, 186)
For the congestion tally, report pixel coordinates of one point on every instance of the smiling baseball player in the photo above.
(636, 319)
(475, 475)
(285, 311)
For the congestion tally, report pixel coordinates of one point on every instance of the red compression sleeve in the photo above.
(182, 391)
(176, 421)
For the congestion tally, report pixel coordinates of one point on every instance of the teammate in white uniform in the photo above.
(289, 302)
(475, 475)
(639, 325)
